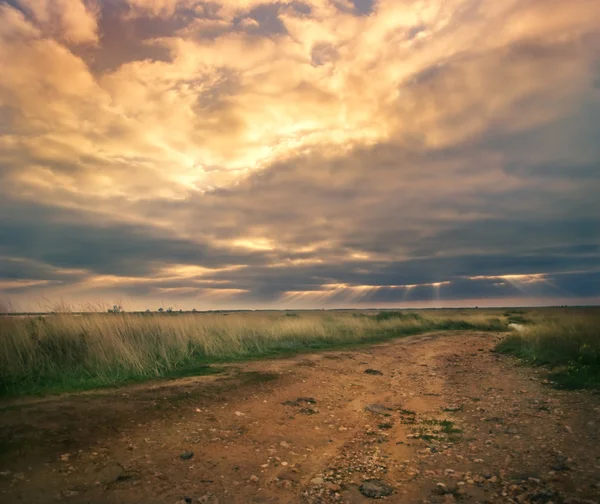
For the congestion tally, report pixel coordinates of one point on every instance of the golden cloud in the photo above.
(158, 140)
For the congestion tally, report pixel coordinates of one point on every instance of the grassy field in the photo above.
(67, 352)
(566, 342)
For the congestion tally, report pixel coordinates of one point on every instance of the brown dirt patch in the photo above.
(458, 422)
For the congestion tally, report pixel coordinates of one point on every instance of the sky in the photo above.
(299, 154)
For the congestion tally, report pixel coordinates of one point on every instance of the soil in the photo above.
(447, 420)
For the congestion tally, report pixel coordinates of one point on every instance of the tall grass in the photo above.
(64, 352)
(568, 344)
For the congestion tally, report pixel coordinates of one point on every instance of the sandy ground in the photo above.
(438, 418)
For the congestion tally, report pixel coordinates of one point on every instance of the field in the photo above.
(68, 351)
(566, 342)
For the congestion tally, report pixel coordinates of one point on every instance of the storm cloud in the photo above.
(299, 154)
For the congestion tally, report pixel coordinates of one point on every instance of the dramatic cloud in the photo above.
(299, 153)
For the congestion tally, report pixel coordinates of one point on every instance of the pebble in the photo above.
(378, 409)
(440, 489)
(111, 473)
(375, 489)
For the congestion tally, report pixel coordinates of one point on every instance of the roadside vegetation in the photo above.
(68, 352)
(568, 344)
(63, 352)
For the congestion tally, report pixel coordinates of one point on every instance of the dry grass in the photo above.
(567, 342)
(68, 351)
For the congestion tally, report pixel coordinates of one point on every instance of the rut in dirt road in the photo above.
(435, 418)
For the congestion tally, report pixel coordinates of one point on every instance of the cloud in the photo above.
(313, 151)
(71, 20)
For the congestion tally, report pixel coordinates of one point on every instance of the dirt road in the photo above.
(436, 418)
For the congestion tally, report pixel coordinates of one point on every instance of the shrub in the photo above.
(390, 315)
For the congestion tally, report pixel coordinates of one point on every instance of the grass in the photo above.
(433, 429)
(567, 344)
(69, 352)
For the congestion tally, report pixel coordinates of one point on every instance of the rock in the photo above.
(254, 478)
(299, 401)
(373, 372)
(379, 409)
(440, 489)
(186, 455)
(375, 489)
(287, 484)
(285, 444)
(544, 495)
(449, 499)
(317, 481)
(111, 474)
(207, 497)
(239, 413)
(452, 408)
(333, 486)
(560, 463)
(308, 411)
(19, 476)
(288, 476)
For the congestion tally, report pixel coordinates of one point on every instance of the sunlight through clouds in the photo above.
(299, 151)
